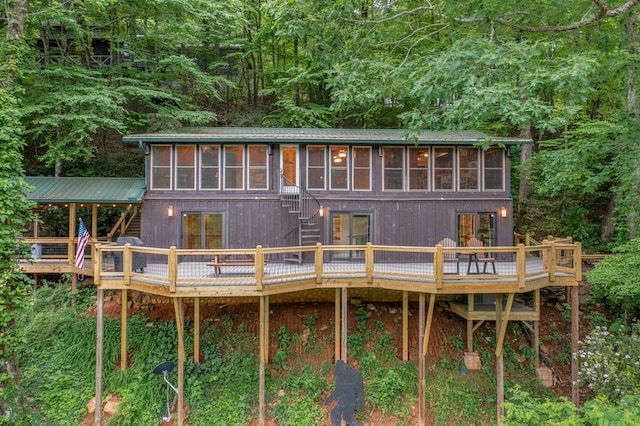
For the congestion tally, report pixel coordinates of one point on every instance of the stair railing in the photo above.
(300, 202)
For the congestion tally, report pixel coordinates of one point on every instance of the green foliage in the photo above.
(390, 386)
(301, 410)
(616, 279)
(521, 409)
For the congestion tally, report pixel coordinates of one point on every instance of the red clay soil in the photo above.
(445, 324)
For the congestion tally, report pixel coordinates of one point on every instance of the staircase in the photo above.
(306, 208)
(128, 224)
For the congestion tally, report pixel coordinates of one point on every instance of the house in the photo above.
(225, 187)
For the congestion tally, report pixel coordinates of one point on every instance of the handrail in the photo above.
(420, 269)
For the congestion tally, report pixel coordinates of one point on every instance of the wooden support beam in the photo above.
(196, 329)
(405, 326)
(264, 355)
(179, 310)
(337, 323)
(427, 333)
(471, 308)
(575, 334)
(123, 329)
(536, 328)
(97, 418)
(499, 364)
(504, 321)
(421, 363)
(343, 331)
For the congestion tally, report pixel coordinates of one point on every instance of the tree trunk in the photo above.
(633, 108)
(524, 185)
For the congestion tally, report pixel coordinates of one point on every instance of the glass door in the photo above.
(350, 229)
(290, 170)
(479, 225)
(202, 230)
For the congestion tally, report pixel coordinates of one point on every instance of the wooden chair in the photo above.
(450, 257)
(480, 256)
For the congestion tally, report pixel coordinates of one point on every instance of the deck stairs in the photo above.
(306, 209)
(128, 224)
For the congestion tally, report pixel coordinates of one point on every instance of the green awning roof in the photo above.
(328, 136)
(86, 189)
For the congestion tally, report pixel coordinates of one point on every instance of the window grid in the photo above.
(419, 159)
(339, 168)
(209, 167)
(468, 168)
(494, 170)
(393, 169)
(162, 167)
(233, 167)
(316, 158)
(361, 168)
(257, 170)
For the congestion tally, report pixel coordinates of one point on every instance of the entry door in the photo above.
(477, 225)
(202, 230)
(290, 182)
(350, 229)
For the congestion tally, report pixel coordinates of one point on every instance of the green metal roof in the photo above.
(328, 136)
(86, 189)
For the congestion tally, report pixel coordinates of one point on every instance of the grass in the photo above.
(58, 362)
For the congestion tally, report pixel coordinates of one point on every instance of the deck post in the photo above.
(536, 328)
(172, 269)
(368, 259)
(343, 331)
(405, 326)
(259, 268)
(421, 362)
(72, 233)
(471, 308)
(179, 311)
(427, 332)
(97, 418)
(318, 264)
(196, 329)
(499, 364)
(438, 266)
(264, 355)
(127, 263)
(337, 322)
(575, 333)
(123, 329)
(521, 266)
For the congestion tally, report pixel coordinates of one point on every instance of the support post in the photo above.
(575, 333)
(264, 354)
(343, 331)
(179, 310)
(337, 323)
(499, 364)
(421, 363)
(97, 418)
(196, 329)
(123, 329)
(405, 326)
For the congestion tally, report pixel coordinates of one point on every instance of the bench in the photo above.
(226, 260)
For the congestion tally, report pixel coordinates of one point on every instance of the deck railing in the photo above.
(251, 271)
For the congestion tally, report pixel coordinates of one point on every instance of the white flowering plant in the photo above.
(610, 361)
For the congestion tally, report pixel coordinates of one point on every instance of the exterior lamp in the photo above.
(170, 211)
(503, 212)
(321, 212)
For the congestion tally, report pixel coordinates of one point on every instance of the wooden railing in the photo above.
(182, 272)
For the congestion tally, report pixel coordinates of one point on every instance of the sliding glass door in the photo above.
(350, 229)
(203, 230)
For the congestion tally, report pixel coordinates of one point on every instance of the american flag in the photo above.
(83, 240)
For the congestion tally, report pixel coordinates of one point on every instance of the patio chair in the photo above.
(450, 257)
(480, 256)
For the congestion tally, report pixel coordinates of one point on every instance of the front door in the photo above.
(350, 229)
(290, 179)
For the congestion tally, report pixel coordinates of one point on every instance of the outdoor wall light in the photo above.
(503, 212)
(321, 211)
(170, 211)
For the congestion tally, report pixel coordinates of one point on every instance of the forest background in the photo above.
(565, 74)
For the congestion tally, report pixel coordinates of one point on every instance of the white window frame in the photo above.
(226, 175)
(179, 168)
(265, 167)
(339, 160)
(168, 167)
(355, 168)
(323, 167)
(203, 166)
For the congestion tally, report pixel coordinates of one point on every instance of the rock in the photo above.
(91, 405)
(111, 407)
(545, 375)
(472, 361)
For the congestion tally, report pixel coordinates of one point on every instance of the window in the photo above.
(257, 167)
(233, 167)
(350, 228)
(493, 169)
(418, 169)
(203, 230)
(361, 168)
(161, 167)
(209, 167)
(478, 225)
(186, 167)
(339, 167)
(393, 160)
(443, 168)
(315, 167)
(468, 168)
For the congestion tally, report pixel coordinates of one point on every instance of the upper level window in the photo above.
(443, 168)
(233, 166)
(209, 167)
(316, 167)
(393, 160)
(161, 167)
(339, 167)
(186, 167)
(257, 167)
(361, 168)
(494, 169)
(418, 169)
(468, 168)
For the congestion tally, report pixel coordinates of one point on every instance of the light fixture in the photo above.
(170, 211)
(342, 154)
(503, 212)
(321, 211)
